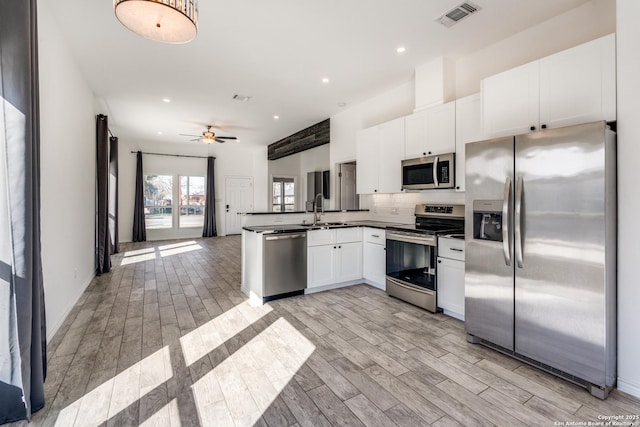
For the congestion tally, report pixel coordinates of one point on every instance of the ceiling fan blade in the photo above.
(227, 137)
(195, 139)
(186, 134)
(220, 140)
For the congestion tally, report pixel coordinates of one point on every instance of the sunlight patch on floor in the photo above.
(119, 392)
(180, 250)
(206, 338)
(139, 252)
(138, 258)
(177, 245)
(250, 379)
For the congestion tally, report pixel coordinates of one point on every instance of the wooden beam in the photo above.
(311, 137)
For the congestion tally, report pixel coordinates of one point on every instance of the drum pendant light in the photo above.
(167, 21)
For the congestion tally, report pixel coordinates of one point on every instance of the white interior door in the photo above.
(238, 199)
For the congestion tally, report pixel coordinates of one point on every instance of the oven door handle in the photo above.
(435, 172)
(506, 215)
(411, 239)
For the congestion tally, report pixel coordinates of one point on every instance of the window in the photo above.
(284, 195)
(191, 201)
(158, 190)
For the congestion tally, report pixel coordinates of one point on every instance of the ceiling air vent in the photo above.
(457, 14)
(242, 98)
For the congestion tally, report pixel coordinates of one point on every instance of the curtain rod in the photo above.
(174, 155)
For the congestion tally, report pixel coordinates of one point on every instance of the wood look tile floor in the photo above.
(168, 338)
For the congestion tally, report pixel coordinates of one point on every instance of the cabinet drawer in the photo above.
(374, 235)
(451, 248)
(346, 235)
(321, 237)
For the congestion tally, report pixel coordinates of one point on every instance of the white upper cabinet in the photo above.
(391, 155)
(367, 157)
(431, 131)
(379, 152)
(510, 101)
(468, 129)
(571, 87)
(578, 85)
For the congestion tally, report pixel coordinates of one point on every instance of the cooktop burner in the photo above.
(436, 219)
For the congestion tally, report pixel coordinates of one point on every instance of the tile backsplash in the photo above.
(400, 207)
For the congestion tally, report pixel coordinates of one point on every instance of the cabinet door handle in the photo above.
(457, 250)
(543, 126)
(375, 235)
(532, 128)
(334, 247)
(439, 262)
(339, 247)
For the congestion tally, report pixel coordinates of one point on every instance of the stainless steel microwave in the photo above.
(427, 173)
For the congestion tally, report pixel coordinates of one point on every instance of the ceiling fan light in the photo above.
(167, 21)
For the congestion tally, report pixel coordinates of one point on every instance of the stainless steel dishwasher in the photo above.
(285, 265)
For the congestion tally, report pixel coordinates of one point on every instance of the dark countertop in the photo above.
(293, 228)
(302, 212)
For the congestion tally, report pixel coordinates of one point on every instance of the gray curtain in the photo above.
(209, 229)
(23, 361)
(113, 195)
(139, 228)
(103, 240)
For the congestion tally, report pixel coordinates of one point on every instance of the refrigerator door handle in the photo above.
(506, 247)
(518, 223)
(435, 172)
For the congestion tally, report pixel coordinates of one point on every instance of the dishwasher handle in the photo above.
(285, 236)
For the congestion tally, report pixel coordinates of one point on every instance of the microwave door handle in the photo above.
(435, 172)
(506, 215)
(518, 223)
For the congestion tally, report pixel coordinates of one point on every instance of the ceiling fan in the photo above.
(209, 137)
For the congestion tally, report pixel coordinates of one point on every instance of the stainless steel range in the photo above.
(412, 252)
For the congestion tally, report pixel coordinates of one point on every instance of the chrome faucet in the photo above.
(316, 217)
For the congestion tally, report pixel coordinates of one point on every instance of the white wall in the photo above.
(628, 34)
(296, 166)
(286, 167)
(313, 160)
(387, 106)
(67, 132)
(231, 160)
(582, 24)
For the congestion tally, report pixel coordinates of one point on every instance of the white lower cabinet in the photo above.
(374, 256)
(320, 266)
(348, 262)
(451, 287)
(338, 261)
(451, 276)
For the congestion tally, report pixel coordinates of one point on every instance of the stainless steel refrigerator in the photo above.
(540, 231)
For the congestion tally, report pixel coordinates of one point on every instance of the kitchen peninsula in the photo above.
(284, 255)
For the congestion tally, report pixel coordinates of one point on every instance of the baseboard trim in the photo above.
(52, 331)
(382, 286)
(333, 286)
(629, 388)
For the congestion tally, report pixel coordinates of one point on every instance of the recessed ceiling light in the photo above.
(276, 117)
(159, 132)
(325, 80)
(342, 104)
(401, 49)
(166, 100)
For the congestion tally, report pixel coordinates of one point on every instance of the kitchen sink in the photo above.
(325, 224)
